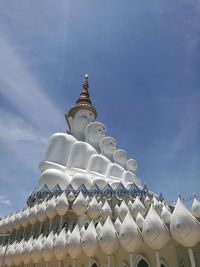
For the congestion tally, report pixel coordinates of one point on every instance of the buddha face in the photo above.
(120, 157)
(131, 165)
(94, 132)
(82, 118)
(108, 145)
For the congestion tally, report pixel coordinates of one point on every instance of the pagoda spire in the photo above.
(82, 103)
(84, 98)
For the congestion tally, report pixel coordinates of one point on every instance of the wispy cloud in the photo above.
(5, 200)
(14, 129)
(188, 129)
(20, 87)
(24, 132)
(22, 147)
(21, 140)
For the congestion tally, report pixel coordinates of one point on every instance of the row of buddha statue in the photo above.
(94, 159)
(85, 154)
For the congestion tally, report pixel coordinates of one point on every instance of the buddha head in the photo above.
(78, 123)
(119, 157)
(107, 146)
(94, 132)
(82, 113)
(131, 165)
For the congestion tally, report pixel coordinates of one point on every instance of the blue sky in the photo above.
(143, 61)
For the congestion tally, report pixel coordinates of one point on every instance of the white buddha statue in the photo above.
(84, 161)
(98, 163)
(78, 123)
(131, 165)
(57, 152)
(108, 147)
(79, 157)
(119, 157)
(94, 132)
(129, 175)
(82, 152)
(53, 164)
(115, 170)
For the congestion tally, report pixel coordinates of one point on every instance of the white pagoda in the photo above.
(90, 209)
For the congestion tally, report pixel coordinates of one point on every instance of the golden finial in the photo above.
(83, 102)
(84, 97)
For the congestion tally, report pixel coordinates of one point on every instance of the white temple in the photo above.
(91, 209)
